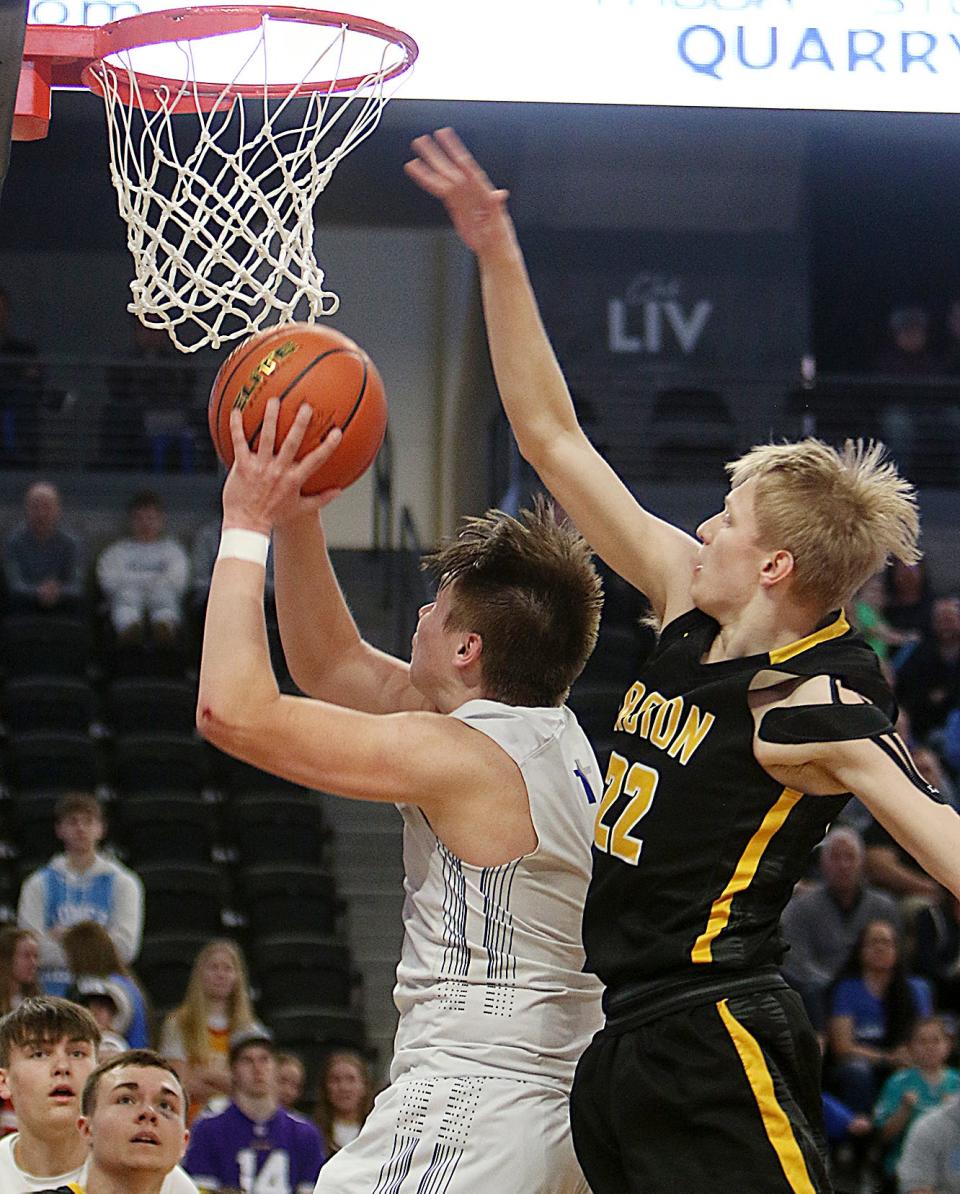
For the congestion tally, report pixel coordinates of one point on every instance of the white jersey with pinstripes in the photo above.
(491, 978)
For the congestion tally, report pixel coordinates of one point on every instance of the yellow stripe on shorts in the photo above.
(775, 1121)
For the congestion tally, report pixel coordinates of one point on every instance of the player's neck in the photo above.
(62, 1154)
(257, 1109)
(760, 627)
(113, 1181)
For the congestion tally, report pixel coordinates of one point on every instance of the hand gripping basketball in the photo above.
(264, 488)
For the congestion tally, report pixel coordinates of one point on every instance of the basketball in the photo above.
(297, 363)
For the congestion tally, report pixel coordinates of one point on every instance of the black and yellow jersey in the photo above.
(696, 848)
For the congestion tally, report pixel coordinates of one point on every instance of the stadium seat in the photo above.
(178, 894)
(278, 828)
(48, 703)
(52, 761)
(151, 706)
(292, 969)
(312, 1031)
(160, 763)
(30, 820)
(296, 898)
(240, 778)
(45, 646)
(165, 827)
(164, 964)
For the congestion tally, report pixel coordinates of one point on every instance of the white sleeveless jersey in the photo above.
(491, 976)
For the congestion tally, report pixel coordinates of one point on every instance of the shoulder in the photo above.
(519, 730)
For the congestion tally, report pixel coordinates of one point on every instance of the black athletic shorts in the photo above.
(719, 1098)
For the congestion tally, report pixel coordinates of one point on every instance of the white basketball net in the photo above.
(221, 226)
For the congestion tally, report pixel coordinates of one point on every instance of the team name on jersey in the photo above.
(666, 722)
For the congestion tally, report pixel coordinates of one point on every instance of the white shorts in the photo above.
(465, 1135)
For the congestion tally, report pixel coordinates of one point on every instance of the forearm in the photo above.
(236, 679)
(316, 626)
(931, 834)
(885, 870)
(532, 387)
(892, 1128)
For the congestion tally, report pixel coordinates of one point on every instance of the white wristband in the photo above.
(238, 544)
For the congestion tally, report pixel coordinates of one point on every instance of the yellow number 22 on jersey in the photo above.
(640, 784)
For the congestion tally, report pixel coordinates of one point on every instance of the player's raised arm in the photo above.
(654, 556)
(325, 653)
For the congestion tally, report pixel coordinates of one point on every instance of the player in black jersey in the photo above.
(758, 713)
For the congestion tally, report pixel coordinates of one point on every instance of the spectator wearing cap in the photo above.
(80, 884)
(98, 971)
(255, 1143)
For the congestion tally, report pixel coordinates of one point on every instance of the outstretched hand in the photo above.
(446, 169)
(262, 489)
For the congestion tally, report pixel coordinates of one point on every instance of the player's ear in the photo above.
(83, 1127)
(469, 649)
(4, 1085)
(776, 568)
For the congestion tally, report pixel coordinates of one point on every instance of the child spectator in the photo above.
(926, 1083)
(91, 954)
(196, 1035)
(144, 577)
(874, 1007)
(344, 1098)
(80, 884)
(290, 1080)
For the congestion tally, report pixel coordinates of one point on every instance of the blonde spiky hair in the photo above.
(841, 514)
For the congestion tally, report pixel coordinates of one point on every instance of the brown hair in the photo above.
(46, 1018)
(139, 1057)
(324, 1114)
(529, 588)
(90, 950)
(10, 938)
(77, 802)
(841, 514)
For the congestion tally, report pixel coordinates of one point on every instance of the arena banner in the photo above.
(880, 55)
(620, 302)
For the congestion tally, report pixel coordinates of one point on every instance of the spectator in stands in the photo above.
(255, 1143)
(109, 1006)
(928, 680)
(43, 563)
(92, 955)
(822, 924)
(926, 1083)
(80, 884)
(196, 1035)
(937, 949)
(48, 1049)
(930, 1163)
(19, 962)
(873, 1009)
(907, 352)
(344, 1098)
(148, 421)
(21, 389)
(908, 597)
(133, 1120)
(291, 1078)
(144, 577)
(868, 615)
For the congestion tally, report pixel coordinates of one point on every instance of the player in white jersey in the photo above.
(497, 785)
(48, 1049)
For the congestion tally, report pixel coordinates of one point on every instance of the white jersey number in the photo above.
(273, 1178)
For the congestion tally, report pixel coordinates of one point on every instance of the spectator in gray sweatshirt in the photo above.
(144, 577)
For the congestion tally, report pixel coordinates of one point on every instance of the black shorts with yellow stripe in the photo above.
(718, 1098)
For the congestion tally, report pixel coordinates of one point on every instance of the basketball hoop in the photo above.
(219, 209)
